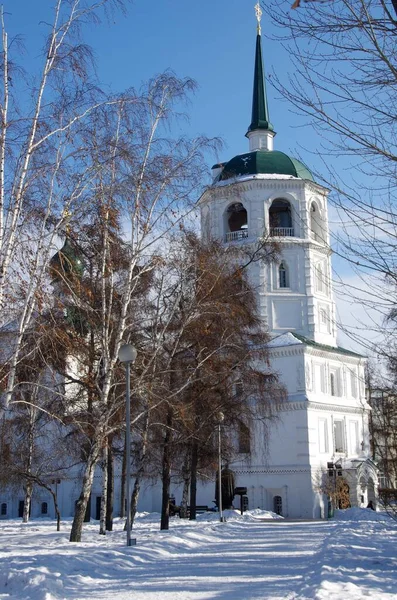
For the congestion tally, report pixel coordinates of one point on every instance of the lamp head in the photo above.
(127, 353)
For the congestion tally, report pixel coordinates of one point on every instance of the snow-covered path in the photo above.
(242, 559)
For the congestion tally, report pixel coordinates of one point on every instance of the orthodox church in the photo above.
(322, 437)
(320, 442)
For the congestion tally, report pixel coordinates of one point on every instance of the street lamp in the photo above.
(221, 418)
(127, 355)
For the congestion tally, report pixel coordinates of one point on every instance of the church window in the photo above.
(335, 382)
(353, 382)
(280, 219)
(322, 379)
(332, 383)
(44, 508)
(244, 440)
(316, 224)
(324, 319)
(3, 511)
(354, 441)
(236, 222)
(323, 435)
(339, 437)
(319, 278)
(283, 276)
(278, 505)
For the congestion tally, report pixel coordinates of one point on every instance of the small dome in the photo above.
(66, 261)
(264, 162)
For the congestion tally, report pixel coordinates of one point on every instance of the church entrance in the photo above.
(278, 505)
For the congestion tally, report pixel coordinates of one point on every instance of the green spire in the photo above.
(260, 112)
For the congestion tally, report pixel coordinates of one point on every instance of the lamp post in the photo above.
(221, 418)
(127, 355)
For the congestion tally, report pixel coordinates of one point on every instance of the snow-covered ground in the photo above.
(350, 557)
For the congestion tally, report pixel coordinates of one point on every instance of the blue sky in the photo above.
(212, 41)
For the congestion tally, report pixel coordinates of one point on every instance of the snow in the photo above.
(252, 557)
(285, 339)
(261, 176)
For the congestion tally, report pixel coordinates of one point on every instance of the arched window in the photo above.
(278, 505)
(316, 223)
(3, 511)
(280, 219)
(44, 508)
(244, 439)
(236, 225)
(283, 276)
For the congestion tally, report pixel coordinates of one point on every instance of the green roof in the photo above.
(67, 261)
(336, 349)
(265, 162)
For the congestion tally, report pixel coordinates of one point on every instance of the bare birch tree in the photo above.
(43, 174)
(143, 181)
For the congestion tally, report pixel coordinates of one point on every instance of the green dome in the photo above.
(66, 261)
(264, 162)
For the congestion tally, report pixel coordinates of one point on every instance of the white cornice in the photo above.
(254, 184)
(337, 408)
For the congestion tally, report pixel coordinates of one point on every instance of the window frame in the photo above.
(340, 423)
(283, 276)
(323, 445)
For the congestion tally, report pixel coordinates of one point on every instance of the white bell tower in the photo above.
(264, 192)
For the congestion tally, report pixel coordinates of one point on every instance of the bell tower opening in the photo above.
(316, 224)
(280, 219)
(236, 222)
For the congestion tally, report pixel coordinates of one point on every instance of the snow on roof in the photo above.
(285, 339)
(262, 176)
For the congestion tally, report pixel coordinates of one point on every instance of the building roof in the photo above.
(264, 162)
(67, 261)
(291, 339)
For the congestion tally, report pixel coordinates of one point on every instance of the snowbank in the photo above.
(241, 559)
(361, 514)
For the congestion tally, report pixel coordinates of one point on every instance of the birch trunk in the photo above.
(193, 481)
(29, 461)
(186, 486)
(27, 502)
(104, 496)
(81, 505)
(166, 475)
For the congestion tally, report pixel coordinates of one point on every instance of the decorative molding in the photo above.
(336, 408)
(347, 358)
(276, 184)
(280, 353)
(289, 406)
(270, 470)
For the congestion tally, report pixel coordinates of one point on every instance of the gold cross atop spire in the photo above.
(258, 12)
(66, 214)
